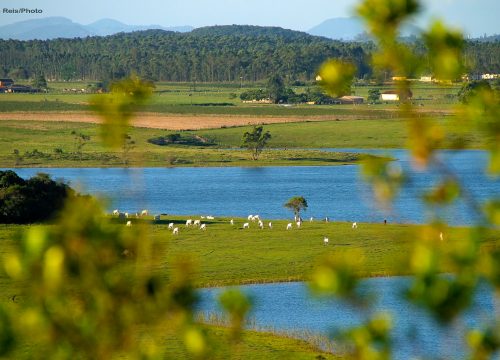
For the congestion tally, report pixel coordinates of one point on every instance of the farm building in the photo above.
(396, 95)
(6, 82)
(351, 100)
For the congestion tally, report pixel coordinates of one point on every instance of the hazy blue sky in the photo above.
(474, 16)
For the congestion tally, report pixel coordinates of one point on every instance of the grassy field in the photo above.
(223, 99)
(254, 345)
(229, 255)
(53, 145)
(56, 147)
(222, 253)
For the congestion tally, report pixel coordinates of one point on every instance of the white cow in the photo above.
(197, 223)
(116, 212)
(250, 217)
(176, 231)
(261, 224)
(289, 226)
(210, 218)
(189, 222)
(203, 227)
(270, 225)
(144, 213)
(246, 226)
(325, 240)
(129, 223)
(232, 222)
(299, 224)
(202, 217)
(126, 215)
(170, 226)
(354, 225)
(311, 219)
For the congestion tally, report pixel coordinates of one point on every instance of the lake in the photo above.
(336, 191)
(289, 306)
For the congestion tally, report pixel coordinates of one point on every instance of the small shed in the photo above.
(351, 100)
(6, 82)
(396, 95)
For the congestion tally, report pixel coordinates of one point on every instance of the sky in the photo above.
(475, 17)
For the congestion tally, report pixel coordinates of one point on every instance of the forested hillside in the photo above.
(212, 54)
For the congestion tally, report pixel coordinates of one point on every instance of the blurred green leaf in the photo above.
(336, 77)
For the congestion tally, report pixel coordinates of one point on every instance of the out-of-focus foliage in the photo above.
(369, 341)
(445, 48)
(445, 297)
(90, 287)
(482, 112)
(385, 176)
(237, 305)
(117, 108)
(336, 77)
(337, 275)
(484, 344)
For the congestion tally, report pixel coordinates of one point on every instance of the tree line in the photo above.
(212, 54)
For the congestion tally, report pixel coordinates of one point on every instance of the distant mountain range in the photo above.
(60, 27)
(351, 28)
(347, 29)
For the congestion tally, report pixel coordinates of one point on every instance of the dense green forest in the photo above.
(211, 54)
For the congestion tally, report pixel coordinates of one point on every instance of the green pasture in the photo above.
(227, 254)
(52, 144)
(230, 255)
(206, 98)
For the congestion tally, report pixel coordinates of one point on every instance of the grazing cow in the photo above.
(197, 223)
(246, 226)
(189, 222)
(210, 218)
(129, 223)
(326, 240)
(261, 224)
(116, 212)
(232, 222)
(289, 226)
(354, 225)
(203, 227)
(270, 225)
(144, 213)
(176, 231)
(157, 217)
(170, 226)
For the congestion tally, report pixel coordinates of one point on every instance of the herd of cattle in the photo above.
(198, 223)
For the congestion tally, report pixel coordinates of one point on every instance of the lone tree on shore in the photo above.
(255, 141)
(296, 204)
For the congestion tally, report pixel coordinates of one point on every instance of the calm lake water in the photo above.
(337, 192)
(289, 307)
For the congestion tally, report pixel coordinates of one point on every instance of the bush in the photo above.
(27, 201)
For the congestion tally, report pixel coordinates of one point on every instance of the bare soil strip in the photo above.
(170, 122)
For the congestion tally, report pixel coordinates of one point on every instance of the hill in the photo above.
(211, 54)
